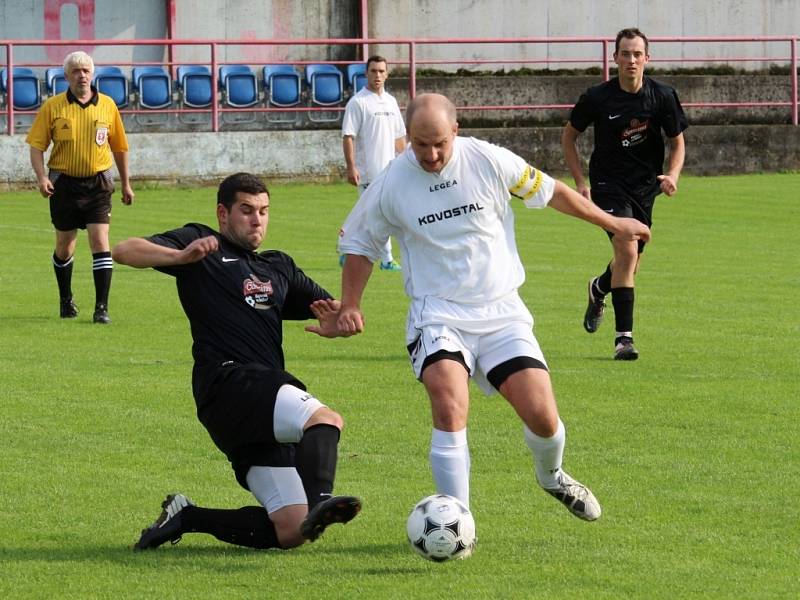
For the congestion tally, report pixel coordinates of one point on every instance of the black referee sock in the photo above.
(63, 270)
(622, 299)
(602, 284)
(247, 526)
(315, 459)
(102, 268)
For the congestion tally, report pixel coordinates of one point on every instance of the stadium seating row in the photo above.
(283, 86)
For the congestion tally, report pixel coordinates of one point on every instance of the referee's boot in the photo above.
(593, 316)
(578, 498)
(168, 526)
(68, 309)
(101, 314)
(336, 509)
(624, 349)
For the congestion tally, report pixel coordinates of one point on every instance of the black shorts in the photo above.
(621, 203)
(78, 201)
(236, 406)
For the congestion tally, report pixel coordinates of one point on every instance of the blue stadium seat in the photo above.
(27, 95)
(282, 89)
(55, 80)
(356, 76)
(194, 85)
(239, 88)
(325, 88)
(112, 82)
(194, 91)
(152, 87)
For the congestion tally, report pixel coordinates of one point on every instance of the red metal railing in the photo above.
(413, 62)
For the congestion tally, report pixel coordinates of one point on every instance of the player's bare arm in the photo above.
(121, 160)
(327, 313)
(568, 201)
(349, 150)
(569, 137)
(142, 253)
(43, 181)
(677, 154)
(355, 275)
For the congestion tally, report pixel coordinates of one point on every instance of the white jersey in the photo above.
(455, 229)
(375, 121)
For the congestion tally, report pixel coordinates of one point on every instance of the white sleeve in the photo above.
(351, 122)
(366, 230)
(534, 187)
(399, 125)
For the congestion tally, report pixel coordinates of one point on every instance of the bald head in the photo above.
(432, 129)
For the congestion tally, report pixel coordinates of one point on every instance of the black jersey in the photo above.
(236, 300)
(628, 145)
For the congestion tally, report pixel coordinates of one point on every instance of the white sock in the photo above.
(450, 463)
(547, 455)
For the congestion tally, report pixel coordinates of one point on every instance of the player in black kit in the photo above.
(625, 169)
(281, 441)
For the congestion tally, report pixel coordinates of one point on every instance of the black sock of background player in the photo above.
(315, 460)
(622, 299)
(247, 526)
(102, 268)
(63, 270)
(602, 284)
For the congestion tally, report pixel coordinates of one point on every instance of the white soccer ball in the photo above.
(441, 528)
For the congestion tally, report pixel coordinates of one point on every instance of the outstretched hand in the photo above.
(327, 313)
(631, 230)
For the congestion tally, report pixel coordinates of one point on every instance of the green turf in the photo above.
(692, 450)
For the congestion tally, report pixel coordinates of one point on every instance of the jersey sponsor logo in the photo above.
(635, 133)
(383, 113)
(612, 117)
(449, 213)
(225, 259)
(443, 186)
(257, 293)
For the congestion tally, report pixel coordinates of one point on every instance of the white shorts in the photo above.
(482, 352)
(293, 408)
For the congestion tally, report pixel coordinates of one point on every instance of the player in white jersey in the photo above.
(373, 132)
(448, 202)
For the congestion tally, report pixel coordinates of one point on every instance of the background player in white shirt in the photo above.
(373, 132)
(447, 201)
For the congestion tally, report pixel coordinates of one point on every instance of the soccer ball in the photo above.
(440, 528)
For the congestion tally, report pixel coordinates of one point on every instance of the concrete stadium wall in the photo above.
(316, 156)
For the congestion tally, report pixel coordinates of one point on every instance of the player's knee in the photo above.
(325, 416)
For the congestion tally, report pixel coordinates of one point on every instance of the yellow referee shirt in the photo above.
(83, 136)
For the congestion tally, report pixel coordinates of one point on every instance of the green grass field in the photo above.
(692, 450)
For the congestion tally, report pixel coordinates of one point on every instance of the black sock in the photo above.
(622, 299)
(315, 460)
(247, 526)
(602, 284)
(63, 269)
(102, 266)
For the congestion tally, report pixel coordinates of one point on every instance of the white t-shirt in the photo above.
(375, 121)
(455, 229)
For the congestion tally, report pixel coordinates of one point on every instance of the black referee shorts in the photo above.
(235, 403)
(78, 201)
(621, 203)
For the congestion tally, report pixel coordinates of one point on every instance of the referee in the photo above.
(281, 441)
(86, 131)
(625, 170)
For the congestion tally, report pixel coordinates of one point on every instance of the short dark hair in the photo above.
(630, 33)
(376, 58)
(239, 182)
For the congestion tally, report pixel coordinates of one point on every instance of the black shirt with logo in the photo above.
(628, 145)
(236, 300)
